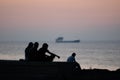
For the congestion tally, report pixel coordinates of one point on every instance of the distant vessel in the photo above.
(60, 40)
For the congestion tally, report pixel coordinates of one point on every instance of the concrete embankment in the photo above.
(21, 70)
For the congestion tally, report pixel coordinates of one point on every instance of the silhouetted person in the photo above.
(28, 51)
(34, 51)
(42, 53)
(72, 59)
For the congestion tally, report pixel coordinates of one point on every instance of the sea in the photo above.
(90, 55)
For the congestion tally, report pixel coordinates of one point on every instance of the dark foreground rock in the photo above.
(21, 70)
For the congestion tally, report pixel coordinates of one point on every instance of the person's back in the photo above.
(41, 54)
(34, 51)
(71, 58)
(43, 49)
(28, 51)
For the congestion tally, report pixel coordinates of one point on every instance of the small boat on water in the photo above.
(61, 40)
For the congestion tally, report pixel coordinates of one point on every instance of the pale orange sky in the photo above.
(36, 19)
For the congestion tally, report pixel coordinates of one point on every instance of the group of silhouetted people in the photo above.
(32, 53)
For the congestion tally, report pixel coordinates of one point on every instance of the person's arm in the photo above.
(53, 54)
(74, 60)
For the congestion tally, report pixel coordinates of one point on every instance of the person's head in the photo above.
(73, 54)
(45, 45)
(30, 44)
(36, 44)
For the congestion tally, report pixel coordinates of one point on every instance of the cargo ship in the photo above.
(61, 40)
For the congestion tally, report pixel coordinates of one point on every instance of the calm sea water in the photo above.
(103, 55)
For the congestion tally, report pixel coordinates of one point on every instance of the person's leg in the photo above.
(78, 66)
(50, 58)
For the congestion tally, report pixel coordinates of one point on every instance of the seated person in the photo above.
(72, 59)
(42, 54)
(28, 51)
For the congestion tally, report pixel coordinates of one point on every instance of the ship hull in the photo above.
(76, 41)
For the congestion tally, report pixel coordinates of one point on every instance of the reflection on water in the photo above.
(89, 55)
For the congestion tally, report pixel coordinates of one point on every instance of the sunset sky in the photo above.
(45, 20)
